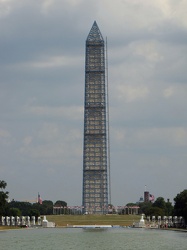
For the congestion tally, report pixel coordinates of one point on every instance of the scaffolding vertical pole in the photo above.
(108, 127)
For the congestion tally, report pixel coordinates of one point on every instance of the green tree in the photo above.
(180, 206)
(60, 203)
(47, 203)
(14, 212)
(24, 207)
(45, 208)
(3, 197)
(131, 204)
(169, 208)
(160, 202)
(145, 208)
(48, 206)
(34, 212)
(39, 207)
(156, 211)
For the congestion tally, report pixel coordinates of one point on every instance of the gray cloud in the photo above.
(42, 96)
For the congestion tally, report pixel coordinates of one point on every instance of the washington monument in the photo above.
(95, 151)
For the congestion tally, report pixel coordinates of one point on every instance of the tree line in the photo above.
(19, 208)
(165, 208)
(158, 208)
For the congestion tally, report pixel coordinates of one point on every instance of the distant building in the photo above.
(39, 200)
(146, 196)
(141, 200)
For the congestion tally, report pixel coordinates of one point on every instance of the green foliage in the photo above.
(158, 208)
(180, 207)
(14, 212)
(156, 211)
(60, 203)
(46, 208)
(145, 208)
(131, 204)
(3, 197)
(169, 209)
(3, 184)
(24, 207)
(160, 202)
(17, 208)
(48, 205)
(39, 207)
(34, 212)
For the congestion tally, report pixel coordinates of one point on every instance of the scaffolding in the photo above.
(95, 178)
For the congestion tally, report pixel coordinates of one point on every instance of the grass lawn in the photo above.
(8, 227)
(122, 220)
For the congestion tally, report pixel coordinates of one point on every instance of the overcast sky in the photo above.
(42, 56)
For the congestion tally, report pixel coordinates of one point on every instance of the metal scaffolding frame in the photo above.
(95, 177)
